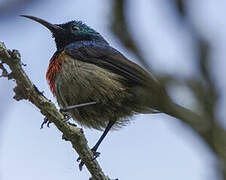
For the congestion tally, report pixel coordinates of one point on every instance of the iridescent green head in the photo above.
(78, 28)
(69, 32)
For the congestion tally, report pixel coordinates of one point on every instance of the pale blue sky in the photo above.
(152, 146)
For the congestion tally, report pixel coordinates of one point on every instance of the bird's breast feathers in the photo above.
(53, 69)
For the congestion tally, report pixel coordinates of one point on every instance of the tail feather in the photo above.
(197, 122)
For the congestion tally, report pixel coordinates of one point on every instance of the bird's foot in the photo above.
(46, 121)
(66, 117)
(95, 155)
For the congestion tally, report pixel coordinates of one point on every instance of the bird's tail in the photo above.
(187, 116)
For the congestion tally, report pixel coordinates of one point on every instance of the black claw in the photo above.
(37, 90)
(95, 155)
(67, 117)
(72, 124)
(64, 138)
(78, 159)
(46, 121)
(81, 164)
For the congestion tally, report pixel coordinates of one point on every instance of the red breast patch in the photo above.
(54, 67)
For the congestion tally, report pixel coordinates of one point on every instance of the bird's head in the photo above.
(69, 32)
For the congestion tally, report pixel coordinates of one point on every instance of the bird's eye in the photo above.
(75, 28)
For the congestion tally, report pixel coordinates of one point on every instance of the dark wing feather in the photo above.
(109, 58)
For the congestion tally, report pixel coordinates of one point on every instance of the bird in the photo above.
(97, 85)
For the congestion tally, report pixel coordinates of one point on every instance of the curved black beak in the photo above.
(52, 27)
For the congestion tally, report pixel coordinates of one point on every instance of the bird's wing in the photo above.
(109, 58)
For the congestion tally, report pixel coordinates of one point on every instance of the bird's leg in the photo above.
(77, 106)
(94, 149)
(110, 124)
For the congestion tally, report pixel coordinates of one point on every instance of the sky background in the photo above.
(152, 146)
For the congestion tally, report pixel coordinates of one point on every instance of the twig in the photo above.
(120, 29)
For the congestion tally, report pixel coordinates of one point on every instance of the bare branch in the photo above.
(25, 89)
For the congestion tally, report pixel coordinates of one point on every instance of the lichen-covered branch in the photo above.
(25, 89)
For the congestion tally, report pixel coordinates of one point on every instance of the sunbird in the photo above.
(97, 85)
